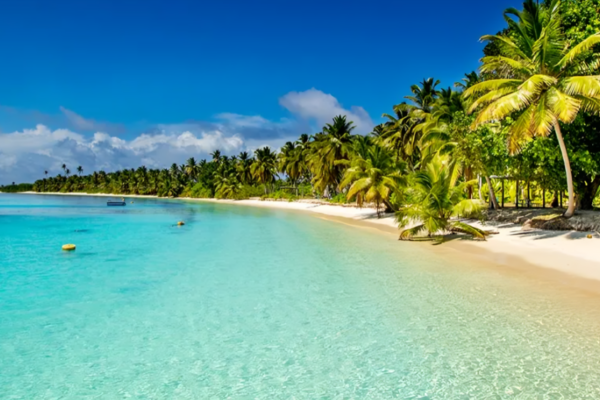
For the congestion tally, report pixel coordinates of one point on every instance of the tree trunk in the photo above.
(492, 194)
(563, 149)
(587, 197)
(480, 194)
(544, 198)
(554, 203)
(468, 178)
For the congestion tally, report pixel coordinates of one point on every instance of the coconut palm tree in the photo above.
(373, 179)
(538, 79)
(243, 167)
(264, 166)
(190, 167)
(216, 155)
(80, 170)
(330, 147)
(469, 80)
(436, 199)
(397, 134)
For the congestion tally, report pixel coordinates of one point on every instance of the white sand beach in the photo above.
(567, 253)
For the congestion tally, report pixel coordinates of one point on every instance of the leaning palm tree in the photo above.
(436, 198)
(538, 80)
(373, 179)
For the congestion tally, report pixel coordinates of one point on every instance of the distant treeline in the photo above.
(21, 187)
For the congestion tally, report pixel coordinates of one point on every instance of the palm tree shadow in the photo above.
(541, 234)
(451, 237)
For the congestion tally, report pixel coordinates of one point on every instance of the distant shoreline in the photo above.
(565, 255)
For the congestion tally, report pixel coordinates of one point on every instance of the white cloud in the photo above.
(24, 155)
(321, 107)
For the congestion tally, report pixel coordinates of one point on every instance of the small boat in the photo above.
(115, 203)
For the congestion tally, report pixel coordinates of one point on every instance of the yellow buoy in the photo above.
(68, 247)
(180, 223)
(590, 236)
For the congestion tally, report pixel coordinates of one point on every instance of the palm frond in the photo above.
(588, 86)
(492, 84)
(502, 108)
(590, 105)
(490, 97)
(508, 43)
(521, 130)
(461, 227)
(582, 47)
(493, 63)
(408, 234)
(543, 117)
(562, 105)
(468, 208)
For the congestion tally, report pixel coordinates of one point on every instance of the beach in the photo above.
(564, 255)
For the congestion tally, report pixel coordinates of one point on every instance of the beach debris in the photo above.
(180, 223)
(69, 247)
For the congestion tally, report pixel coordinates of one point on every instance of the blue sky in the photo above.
(257, 71)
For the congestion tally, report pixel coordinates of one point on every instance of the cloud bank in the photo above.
(25, 154)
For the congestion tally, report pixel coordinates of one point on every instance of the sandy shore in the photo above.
(566, 253)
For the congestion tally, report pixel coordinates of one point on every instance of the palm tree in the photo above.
(190, 167)
(373, 179)
(67, 172)
(328, 149)
(64, 167)
(538, 79)
(216, 155)
(469, 80)
(264, 166)
(423, 97)
(397, 134)
(436, 198)
(243, 168)
(291, 162)
(79, 170)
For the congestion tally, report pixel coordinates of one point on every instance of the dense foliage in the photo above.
(524, 127)
(16, 188)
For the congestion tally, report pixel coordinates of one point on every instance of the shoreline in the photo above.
(562, 255)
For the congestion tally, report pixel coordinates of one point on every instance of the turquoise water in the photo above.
(247, 303)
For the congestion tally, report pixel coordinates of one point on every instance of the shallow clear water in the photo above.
(247, 303)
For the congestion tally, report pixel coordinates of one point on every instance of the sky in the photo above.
(118, 84)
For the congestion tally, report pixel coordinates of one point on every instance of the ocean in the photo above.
(255, 303)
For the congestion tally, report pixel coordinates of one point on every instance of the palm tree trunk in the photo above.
(563, 149)
(468, 178)
(480, 194)
(492, 193)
